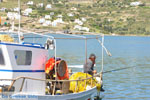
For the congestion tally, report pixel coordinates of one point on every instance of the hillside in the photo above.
(105, 16)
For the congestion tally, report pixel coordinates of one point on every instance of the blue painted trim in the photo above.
(4, 70)
(33, 44)
(1, 43)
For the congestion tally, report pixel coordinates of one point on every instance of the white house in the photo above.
(41, 20)
(54, 23)
(59, 16)
(40, 5)
(78, 22)
(83, 19)
(44, 24)
(59, 20)
(17, 16)
(135, 3)
(16, 9)
(78, 27)
(12, 15)
(30, 3)
(3, 9)
(52, 13)
(73, 8)
(27, 11)
(70, 14)
(48, 22)
(47, 17)
(85, 29)
(48, 6)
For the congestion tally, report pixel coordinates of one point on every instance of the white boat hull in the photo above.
(74, 96)
(86, 95)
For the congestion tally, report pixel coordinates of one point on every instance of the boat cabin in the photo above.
(28, 60)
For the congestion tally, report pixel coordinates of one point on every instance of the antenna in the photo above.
(19, 35)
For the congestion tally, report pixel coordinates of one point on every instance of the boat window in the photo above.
(23, 57)
(1, 57)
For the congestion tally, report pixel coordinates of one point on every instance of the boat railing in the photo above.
(51, 81)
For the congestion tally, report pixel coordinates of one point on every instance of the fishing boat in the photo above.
(28, 73)
(25, 69)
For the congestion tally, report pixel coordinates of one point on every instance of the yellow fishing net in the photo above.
(6, 38)
(81, 85)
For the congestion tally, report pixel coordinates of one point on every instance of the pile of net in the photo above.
(6, 38)
(81, 85)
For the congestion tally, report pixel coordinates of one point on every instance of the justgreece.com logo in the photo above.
(10, 96)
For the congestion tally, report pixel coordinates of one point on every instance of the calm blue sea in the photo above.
(128, 70)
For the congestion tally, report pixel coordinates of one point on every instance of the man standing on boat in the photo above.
(89, 65)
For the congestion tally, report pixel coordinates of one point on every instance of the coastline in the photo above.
(44, 31)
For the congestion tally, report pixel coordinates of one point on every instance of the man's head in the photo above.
(92, 57)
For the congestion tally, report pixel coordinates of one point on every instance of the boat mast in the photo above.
(19, 12)
(102, 53)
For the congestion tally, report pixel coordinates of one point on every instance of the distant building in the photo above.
(47, 17)
(59, 20)
(27, 11)
(54, 23)
(47, 23)
(80, 28)
(49, 6)
(70, 14)
(136, 3)
(12, 15)
(113, 34)
(73, 8)
(59, 16)
(3, 9)
(78, 22)
(85, 29)
(16, 9)
(41, 20)
(44, 24)
(83, 19)
(52, 13)
(40, 5)
(30, 3)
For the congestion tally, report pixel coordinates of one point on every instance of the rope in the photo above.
(106, 50)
